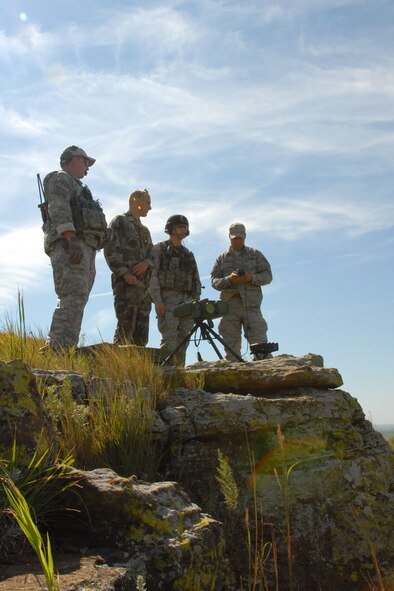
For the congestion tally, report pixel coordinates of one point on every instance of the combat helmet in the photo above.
(176, 220)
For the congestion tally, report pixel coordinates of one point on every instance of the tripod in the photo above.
(207, 334)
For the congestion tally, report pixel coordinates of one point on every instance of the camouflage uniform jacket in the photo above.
(249, 260)
(129, 242)
(175, 270)
(71, 207)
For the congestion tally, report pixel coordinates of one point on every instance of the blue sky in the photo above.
(276, 114)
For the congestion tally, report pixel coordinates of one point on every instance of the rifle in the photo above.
(43, 205)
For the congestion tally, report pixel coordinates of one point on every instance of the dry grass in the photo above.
(114, 428)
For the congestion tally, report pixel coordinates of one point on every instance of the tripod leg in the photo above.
(179, 347)
(206, 335)
(227, 347)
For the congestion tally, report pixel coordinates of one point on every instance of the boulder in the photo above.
(163, 535)
(304, 455)
(22, 414)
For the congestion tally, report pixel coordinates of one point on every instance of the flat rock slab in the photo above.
(283, 372)
(76, 572)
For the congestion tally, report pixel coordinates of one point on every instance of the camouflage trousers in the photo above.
(132, 308)
(73, 284)
(250, 319)
(173, 330)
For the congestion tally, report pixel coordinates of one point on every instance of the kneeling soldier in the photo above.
(174, 280)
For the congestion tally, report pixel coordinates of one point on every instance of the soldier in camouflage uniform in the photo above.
(129, 256)
(174, 280)
(239, 274)
(74, 228)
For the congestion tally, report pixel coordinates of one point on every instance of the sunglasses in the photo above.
(86, 161)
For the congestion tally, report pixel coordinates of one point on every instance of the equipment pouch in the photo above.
(93, 219)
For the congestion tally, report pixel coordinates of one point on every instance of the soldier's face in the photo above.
(237, 242)
(144, 206)
(79, 167)
(180, 231)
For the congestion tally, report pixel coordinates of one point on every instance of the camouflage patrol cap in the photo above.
(71, 151)
(138, 194)
(237, 230)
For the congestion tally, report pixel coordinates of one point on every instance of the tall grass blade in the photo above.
(21, 512)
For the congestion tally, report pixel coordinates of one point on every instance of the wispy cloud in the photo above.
(168, 102)
(23, 262)
(12, 122)
(30, 41)
(151, 30)
(288, 218)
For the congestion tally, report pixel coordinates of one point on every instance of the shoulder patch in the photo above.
(58, 183)
(62, 186)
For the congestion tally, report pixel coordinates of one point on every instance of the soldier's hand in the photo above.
(234, 277)
(246, 278)
(75, 250)
(240, 279)
(140, 268)
(160, 309)
(130, 279)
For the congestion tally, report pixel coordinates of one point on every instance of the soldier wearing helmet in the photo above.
(75, 228)
(129, 256)
(174, 280)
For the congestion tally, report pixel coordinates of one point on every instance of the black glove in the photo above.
(75, 251)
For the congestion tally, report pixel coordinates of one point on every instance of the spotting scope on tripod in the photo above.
(202, 312)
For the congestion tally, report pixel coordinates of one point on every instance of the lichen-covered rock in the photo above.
(326, 473)
(270, 375)
(167, 538)
(60, 380)
(325, 479)
(22, 415)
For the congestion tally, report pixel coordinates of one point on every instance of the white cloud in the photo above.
(310, 111)
(29, 41)
(103, 319)
(23, 263)
(16, 123)
(156, 29)
(294, 219)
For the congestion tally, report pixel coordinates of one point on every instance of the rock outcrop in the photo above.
(274, 375)
(152, 529)
(326, 475)
(313, 481)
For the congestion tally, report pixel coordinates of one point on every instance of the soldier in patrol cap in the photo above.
(75, 228)
(129, 256)
(239, 274)
(174, 280)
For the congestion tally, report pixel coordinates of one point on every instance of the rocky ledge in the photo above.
(266, 377)
(307, 472)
